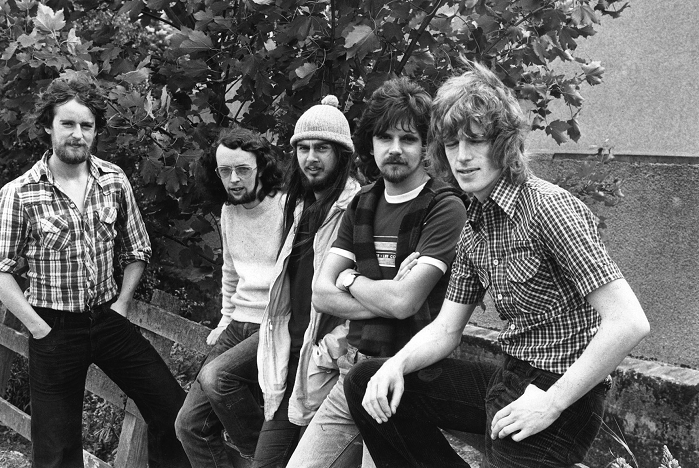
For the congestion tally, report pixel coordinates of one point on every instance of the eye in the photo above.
(243, 171)
(451, 144)
(324, 148)
(224, 172)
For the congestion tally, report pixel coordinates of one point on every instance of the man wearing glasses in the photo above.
(223, 396)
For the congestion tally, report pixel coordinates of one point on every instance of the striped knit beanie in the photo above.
(324, 122)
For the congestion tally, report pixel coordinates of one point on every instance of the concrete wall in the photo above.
(650, 405)
(652, 235)
(650, 95)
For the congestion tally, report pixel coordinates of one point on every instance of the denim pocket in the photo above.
(48, 343)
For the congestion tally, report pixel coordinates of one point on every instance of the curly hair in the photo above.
(398, 103)
(61, 90)
(480, 97)
(267, 158)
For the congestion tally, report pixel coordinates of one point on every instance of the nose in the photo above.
(312, 155)
(465, 153)
(78, 132)
(233, 179)
(395, 146)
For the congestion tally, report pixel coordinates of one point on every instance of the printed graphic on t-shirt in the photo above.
(385, 247)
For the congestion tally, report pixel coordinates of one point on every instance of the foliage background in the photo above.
(178, 71)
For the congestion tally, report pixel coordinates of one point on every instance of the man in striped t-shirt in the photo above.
(570, 315)
(63, 221)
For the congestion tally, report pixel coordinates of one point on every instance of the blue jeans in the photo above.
(463, 395)
(225, 395)
(332, 439)
(58, 365)
(279, 436)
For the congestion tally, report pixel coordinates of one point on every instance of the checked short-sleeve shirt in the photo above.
(69, 256)
(536, 248)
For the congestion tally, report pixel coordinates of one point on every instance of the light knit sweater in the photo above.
(251, 240)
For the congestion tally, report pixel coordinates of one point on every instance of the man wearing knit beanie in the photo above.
(389, 266)
(299, 346)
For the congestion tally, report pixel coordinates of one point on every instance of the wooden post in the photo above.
(7, 356)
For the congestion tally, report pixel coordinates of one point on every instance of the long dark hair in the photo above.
(298, 191)
(266, 156)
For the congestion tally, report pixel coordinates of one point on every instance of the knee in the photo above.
(182, 424)
(208, 379)
(358, 377)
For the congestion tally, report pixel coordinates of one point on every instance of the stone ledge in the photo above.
(651, 404)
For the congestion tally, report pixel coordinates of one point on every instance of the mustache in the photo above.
(394, 160)
(313, 166)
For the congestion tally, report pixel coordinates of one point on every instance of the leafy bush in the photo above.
(177, 71)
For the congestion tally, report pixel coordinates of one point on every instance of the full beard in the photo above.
(319, 185)
(70, 154)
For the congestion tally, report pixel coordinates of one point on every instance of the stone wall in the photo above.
(652, 235)
(651, 404)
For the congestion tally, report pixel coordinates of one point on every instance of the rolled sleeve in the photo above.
(13, 228)
(134, 240)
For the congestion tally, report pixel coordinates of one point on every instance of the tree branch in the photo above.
(413, 43)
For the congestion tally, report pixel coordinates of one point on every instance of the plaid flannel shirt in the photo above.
(536, 248)
(68, 257)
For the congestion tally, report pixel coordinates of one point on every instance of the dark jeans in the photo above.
(463, 395)
(58, 365)
(225, 395)
(279, 436)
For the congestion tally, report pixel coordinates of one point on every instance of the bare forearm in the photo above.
(132, 275)
(623, 326)
(332, 301)
(606, 350)
(437, 340)
(12, 297)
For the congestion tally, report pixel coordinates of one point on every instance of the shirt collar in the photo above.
(96, 166)
(504, 195)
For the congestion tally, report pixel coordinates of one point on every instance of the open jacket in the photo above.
(324, 340)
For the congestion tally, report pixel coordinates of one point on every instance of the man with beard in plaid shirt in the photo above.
(64, 219)
(570, 315)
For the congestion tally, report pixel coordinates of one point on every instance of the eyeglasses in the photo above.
(244, 172)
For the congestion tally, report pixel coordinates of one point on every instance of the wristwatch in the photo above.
(349, 281)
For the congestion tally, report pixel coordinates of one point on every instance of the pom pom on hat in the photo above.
(330, 100)
(324, 122)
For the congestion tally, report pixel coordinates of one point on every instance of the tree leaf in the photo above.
(584, 15)
(9, 51)
(356, 34)
(305, 70)
(572, 96)
(47, 21)
(593, 72)
(557, 129)
(196, 41)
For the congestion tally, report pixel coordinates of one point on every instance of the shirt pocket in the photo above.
(104, 224)
(528, 288)
(55, 232)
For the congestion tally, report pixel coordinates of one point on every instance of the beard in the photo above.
(70, 154)
(319, 185)
(247, 197)
(396, 174)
